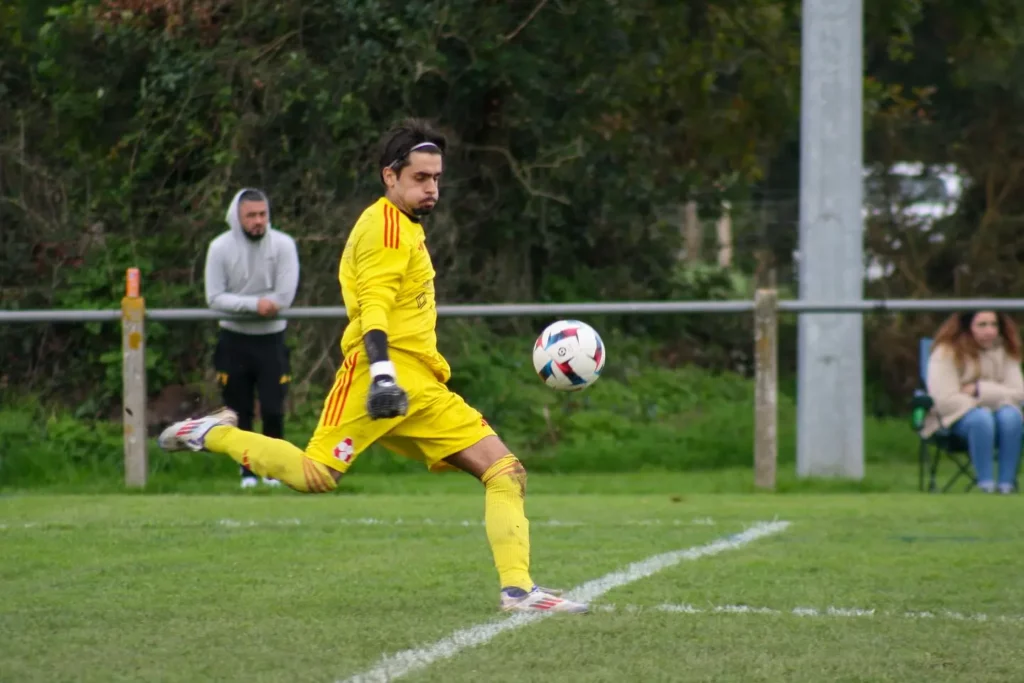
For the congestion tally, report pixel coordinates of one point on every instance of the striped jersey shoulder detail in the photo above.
(392, 226)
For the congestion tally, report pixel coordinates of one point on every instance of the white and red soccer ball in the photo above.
(569, 355)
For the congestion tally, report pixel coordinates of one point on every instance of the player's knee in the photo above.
(518, 468)
(318, 477)
(507, 472)
(325, 485)
(521, 473)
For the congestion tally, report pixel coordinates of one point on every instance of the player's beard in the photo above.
(424, 209)
(254, 238)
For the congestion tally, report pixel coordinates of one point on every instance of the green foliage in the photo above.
(45, 448)
(637, 417)
(125, 126)
(42, 448)
(130, 123)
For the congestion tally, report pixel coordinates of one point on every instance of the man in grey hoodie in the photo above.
(252, 269)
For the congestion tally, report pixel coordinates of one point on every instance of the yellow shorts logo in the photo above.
(222, 378)
(285, 379)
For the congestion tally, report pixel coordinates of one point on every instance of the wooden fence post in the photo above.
(133, 344)
(723, 227)
(766, 378)
(693, 232)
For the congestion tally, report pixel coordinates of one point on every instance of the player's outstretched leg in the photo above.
(267, 457)
(508, 530)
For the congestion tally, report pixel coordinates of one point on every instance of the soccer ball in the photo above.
(569, 355)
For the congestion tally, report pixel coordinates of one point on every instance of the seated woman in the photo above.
(974, 377)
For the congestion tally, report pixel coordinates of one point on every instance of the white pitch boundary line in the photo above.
(847, 612)
(399, 664)
(361, 521)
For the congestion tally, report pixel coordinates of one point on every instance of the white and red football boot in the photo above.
(538, 600)
(191, 433)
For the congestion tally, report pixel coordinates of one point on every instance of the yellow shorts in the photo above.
(439, 422)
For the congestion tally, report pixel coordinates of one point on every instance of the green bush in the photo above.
(640, 416)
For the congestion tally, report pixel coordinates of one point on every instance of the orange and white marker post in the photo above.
(133, 336)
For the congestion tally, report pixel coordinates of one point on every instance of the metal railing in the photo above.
(535, 309)
(765, 307)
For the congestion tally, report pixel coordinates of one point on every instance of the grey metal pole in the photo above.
(830, 383)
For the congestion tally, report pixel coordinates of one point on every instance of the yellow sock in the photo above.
(508, 530)
(274, 458)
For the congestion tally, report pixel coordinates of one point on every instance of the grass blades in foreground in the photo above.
(289, 588)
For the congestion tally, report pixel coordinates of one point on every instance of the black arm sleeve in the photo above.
(376, 343)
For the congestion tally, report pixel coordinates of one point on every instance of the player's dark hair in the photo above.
(253, 196)
(406, 137)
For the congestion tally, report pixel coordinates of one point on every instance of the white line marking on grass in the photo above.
(399, 664)
(353, 521)
(844, 612)
(372, 521)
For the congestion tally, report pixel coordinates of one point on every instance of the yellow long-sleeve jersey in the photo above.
(387, 283)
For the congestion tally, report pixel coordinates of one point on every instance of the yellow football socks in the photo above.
(508, 530)
(274, 458)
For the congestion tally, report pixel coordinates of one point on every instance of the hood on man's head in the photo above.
(235, 223)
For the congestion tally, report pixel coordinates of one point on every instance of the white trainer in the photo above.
(250, 482)
(191, 434)
(271, 482)
(537, 600)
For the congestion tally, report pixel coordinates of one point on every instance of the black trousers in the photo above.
(248, 365)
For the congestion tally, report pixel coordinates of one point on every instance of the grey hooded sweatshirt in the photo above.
(240, 272)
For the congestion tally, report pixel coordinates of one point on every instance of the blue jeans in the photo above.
(985, 431)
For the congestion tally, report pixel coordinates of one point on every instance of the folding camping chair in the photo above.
(941, 443)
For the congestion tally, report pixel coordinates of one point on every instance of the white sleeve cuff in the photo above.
(382, 367)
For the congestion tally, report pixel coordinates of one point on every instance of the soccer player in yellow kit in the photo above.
(391, 388)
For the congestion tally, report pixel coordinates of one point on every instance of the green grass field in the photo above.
(219, 586)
